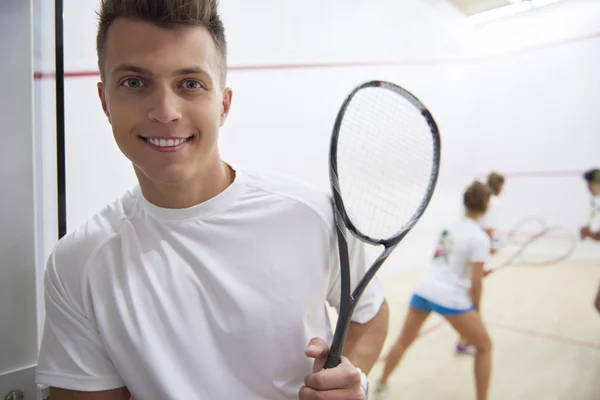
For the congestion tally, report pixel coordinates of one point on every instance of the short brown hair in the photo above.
(477, 197)
(495, 182)
(166, 14)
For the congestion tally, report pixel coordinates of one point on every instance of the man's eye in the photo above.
(133, 83)
(192, 85)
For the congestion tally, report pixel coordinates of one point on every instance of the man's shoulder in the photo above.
(293, 191)
(72, 252)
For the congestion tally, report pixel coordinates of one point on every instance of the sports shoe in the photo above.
(466, 349)
(381, 392)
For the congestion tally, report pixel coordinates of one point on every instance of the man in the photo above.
(592, 229)
(205, 281)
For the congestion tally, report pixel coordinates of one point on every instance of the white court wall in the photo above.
(19, 219)
(537, 113)
(519, 112)
(552, 99)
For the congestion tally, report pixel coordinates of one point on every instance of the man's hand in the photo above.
(339, 383)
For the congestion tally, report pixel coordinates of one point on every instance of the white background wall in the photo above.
(536, 111)
(509, 96)
(18, 217)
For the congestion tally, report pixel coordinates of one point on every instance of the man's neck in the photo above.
(179, 195)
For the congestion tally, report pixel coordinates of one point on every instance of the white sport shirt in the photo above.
(594, 219)
(216, 301)
(448, 279)
(490, 219)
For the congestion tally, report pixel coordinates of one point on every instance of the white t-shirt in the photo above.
(216, 301)
(594, 219)
(490, 219)
(448, 280)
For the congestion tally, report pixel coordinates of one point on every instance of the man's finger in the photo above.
(307, 393)
(317, 349)
(344, 376)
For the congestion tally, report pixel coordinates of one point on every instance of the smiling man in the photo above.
(204, 281)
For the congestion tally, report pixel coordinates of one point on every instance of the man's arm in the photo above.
(114, 394)
(364, 341)
(72, 360)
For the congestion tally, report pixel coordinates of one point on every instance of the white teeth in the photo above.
(166, 143)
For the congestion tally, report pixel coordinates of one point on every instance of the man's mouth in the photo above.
(174, 142)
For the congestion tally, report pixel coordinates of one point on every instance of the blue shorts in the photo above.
(423, 304)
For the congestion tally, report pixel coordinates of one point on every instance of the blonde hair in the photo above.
(477, 197)
(166, 14)
(495, 182)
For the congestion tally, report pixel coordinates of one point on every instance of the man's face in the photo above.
(163, 98)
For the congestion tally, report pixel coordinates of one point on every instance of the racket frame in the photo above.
(524, 245)
(349, 299)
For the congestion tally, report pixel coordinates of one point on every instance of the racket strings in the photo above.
(385, 196)
(385, 161)
(533, 243)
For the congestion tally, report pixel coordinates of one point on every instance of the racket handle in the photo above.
(332, 361)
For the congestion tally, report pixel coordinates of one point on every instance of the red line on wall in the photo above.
(545, 174)
(573, 173)
(73, 74)
(267, 67)
(375, 63)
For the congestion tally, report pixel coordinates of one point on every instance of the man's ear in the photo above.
(225, 104)
(102, 96)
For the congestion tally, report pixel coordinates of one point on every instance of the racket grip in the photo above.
(332, 361)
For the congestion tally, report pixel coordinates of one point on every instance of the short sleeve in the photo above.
(373, 296)
(71, 355)
(481, 249)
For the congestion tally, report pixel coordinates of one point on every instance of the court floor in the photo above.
(545, 333)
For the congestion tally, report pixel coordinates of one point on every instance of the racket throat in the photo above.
(347, 307)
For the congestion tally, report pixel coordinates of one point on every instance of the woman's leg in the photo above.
(470, 326)
(412, 324)
(464, 342)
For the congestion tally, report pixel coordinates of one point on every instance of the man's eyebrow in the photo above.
(193, 70)
(131, 68)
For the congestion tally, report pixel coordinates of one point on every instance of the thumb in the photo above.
(317, 349)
